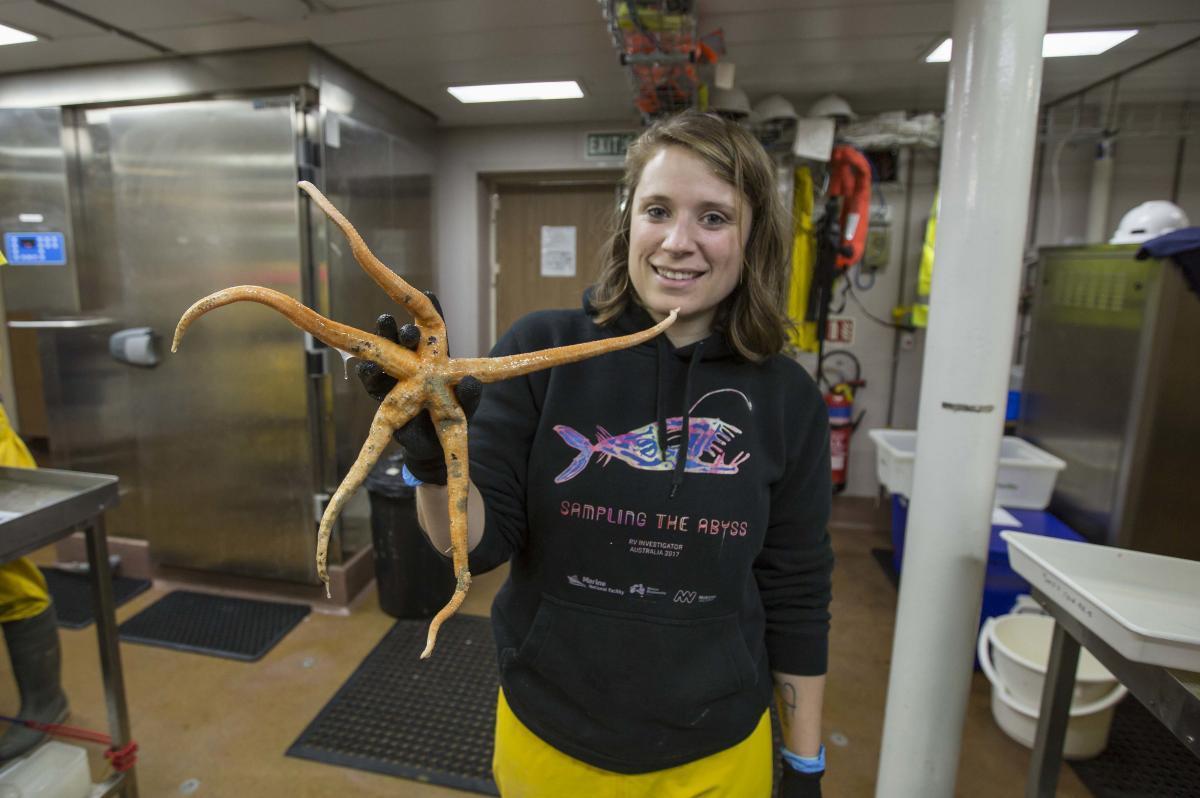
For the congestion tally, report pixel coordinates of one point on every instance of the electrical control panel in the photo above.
(35, 249)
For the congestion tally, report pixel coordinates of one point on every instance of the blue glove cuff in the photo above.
(408, 477)
(805, 764)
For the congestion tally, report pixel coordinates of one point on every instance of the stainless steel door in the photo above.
(382, 184)
(176, 201)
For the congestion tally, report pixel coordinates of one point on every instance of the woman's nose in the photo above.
(679, 237)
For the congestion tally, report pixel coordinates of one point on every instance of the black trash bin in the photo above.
(413, 581)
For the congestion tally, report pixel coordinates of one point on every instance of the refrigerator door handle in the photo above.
(61, 324)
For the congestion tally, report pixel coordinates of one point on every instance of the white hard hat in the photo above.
(831, 105)
(774, 107)
(729, 102)
(1149, 220)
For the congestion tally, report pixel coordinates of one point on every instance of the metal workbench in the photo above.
(1172, 696)
(41, 506)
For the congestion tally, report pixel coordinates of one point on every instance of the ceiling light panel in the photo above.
(13, 36)
(1058, 45)
(941, 53)
(1093, 42)
(515, 92)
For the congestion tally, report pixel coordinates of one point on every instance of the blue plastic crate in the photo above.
(1001, 584)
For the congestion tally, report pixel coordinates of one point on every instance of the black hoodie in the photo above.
(647, 604)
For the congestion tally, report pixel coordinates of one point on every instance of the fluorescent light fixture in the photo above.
(13, 36)
(512, 92)
(941, 54)
(1086, 42)
(1058, 45)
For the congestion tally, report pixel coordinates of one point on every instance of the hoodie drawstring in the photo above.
(660, 402)
(685, 427)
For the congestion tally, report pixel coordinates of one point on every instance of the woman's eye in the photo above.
(713, 219)
(656, 212)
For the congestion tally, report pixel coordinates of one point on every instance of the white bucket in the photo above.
(1021, 644)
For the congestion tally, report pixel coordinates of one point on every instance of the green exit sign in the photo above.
(608, 145)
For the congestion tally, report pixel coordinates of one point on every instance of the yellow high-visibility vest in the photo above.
(804, 335)
(920, 311)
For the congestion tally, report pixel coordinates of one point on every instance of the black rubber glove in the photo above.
(794, 784)
(423, 452)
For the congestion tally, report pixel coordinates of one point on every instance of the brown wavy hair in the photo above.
(754, 316)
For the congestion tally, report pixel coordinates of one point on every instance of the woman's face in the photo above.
(685, 247)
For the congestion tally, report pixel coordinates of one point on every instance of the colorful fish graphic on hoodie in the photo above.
(640, 448)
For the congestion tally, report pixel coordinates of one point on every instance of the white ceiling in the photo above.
(868, 50)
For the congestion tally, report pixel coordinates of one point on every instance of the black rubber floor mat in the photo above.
(1142, 759)
(222, 626)
(72, 594)
(426, 720)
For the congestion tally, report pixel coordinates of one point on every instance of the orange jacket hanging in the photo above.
(850, 178)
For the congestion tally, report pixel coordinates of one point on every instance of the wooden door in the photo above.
(524, 209)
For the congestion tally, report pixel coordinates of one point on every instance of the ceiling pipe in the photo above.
(1103, 167)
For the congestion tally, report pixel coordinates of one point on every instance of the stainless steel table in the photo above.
(40, 506)
(1172, 696)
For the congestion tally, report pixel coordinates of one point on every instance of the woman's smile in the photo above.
(674, 276)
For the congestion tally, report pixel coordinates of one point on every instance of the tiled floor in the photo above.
(226, 724)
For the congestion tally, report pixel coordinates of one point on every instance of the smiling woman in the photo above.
(704, 231)
(663, 508)
(688, 231)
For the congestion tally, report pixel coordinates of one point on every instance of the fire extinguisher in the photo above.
(840, 402)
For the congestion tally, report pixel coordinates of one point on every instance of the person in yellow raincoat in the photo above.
(30, 627)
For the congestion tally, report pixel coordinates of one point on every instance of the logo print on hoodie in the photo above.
(639, 448)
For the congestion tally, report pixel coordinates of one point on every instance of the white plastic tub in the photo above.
(1025, 478)
(1146, 606)
(1013, 652)
(54, 770)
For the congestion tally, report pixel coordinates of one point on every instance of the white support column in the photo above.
(987, 158)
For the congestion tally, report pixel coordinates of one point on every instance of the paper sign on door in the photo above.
(558, 251)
